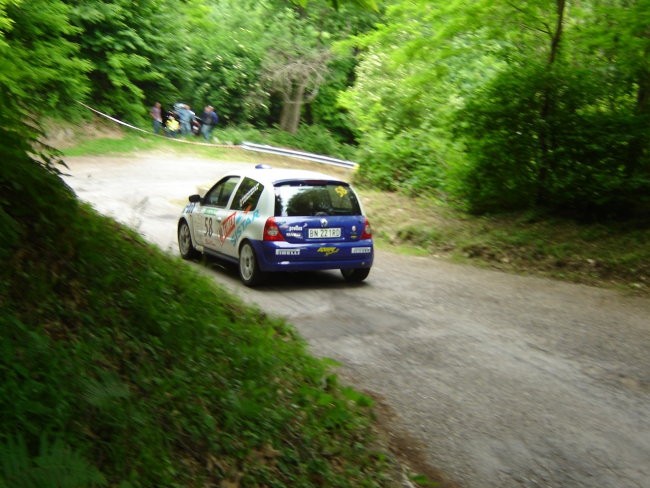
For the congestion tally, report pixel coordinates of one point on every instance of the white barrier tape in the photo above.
(292, 153)
(183, 141)
(246, 146)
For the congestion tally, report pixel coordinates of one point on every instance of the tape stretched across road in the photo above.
(133, 127)
(249, 146)
(316, 158)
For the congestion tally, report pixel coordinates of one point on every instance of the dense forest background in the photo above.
(490, 105)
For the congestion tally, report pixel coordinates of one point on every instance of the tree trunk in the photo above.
(640, 144)
(547, 163)
(557, 35)
(291, 110)
(285, 114)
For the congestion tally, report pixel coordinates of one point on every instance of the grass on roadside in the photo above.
(132, 142)
(612, 254)
(123, 366)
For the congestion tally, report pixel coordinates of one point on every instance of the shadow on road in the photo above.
(282, 282)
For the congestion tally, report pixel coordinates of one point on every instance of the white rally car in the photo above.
(269, 220)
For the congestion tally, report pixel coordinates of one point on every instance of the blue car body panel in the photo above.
(283, 256)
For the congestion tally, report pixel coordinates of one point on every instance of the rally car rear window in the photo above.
(309, 198)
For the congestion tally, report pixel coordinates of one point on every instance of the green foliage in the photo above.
(395, 163)
(403, 104)
(324, 110)
(124, 55)
(492, 178)
(549, 115)
(584, 170)
(232, 42)
(55, 466)
(237, 134)
(498, 105)
(126, 44)
(128, 142)
(369, 4)
(39, 66)
(227, 47)
(423, 481)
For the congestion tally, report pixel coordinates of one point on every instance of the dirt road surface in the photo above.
(499, 380)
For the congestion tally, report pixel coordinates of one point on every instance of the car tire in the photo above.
(185, 244)
(249, 269)
(355, 275)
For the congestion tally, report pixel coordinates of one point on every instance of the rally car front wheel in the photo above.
(185, 245)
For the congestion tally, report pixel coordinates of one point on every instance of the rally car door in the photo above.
(209, 216)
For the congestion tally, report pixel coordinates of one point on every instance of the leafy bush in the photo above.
(595, 173)
(537, 138)
(55, 466)
(500, 135)
(237, 134)
(411, 161)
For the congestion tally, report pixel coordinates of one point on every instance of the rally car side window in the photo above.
(248, 195)
(220, 193)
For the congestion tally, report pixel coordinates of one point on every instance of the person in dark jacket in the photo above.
(209, 119)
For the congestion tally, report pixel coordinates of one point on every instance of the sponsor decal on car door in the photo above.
(227, 229)
(207, 227)
(232, 228)
(243, 212)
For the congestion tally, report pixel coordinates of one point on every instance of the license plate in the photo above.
(324, 233)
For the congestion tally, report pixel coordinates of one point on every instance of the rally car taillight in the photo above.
(272, 231)
(367, 231)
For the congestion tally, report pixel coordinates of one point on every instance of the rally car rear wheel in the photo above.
(355, 275)
(249, 270)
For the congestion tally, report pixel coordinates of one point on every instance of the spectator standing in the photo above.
(172, 126)
(208, 120)
(156, 117)
(185, 116)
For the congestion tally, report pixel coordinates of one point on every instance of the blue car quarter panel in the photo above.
(284, 256)
(317, 242)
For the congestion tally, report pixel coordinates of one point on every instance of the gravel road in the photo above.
(499, 380)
